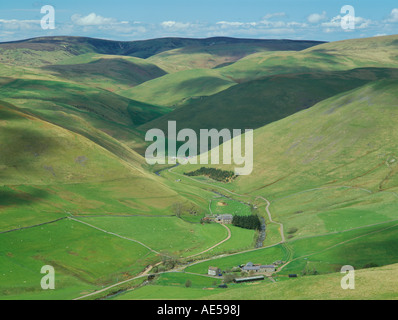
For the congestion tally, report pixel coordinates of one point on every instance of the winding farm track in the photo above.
(272, 221)
(216, 245)
(281, 230)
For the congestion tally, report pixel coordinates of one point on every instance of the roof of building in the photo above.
(213, 268)
(250, 268)
(250, 278)
(267, 266)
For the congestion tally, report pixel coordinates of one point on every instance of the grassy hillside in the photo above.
(76, 193)
(373, 284)
(374, 52)
(104, 117)
(256, 103)
(51, 50)
(175, 89)
(107, 72)
(330, 167)
(221, 52)
(48, 171)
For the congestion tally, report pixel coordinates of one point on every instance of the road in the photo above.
(272, 221)
(147, 270)
(216, 245)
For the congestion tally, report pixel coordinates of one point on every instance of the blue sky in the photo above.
(135, 20)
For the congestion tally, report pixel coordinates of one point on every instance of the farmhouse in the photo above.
(225, 218)
(213, 271)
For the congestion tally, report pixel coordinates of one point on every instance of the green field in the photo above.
(76, 192)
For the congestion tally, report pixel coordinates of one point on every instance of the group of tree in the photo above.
(180, 208)
(247, 222)
(213, 173)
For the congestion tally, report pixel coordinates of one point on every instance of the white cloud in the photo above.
(393, 17)
(316, 17)
(273, 15)
(91, 20)
(335, 22)
(174, 25)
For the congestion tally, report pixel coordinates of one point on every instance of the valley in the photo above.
(77, 193)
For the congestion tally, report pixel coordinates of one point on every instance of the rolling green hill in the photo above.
(175, 89)
(76, 192)
(376, 52)
(51, 50)
(221, 52)
(108, 72)
(329, 167)
(256, 103)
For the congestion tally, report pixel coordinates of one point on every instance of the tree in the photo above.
(169, 260)
(228, 278)
(178, 209)
(188, 283)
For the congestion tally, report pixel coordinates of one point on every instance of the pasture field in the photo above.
(83, 257)
(164, 234)
(76, 192)
(374, 284)
(260, 256)
(229, 206)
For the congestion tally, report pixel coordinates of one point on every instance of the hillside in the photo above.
(256, 103)
(376, 52)
(76, 192)
(175, 89)
(107, 72)
(50, 50)
(336, 160)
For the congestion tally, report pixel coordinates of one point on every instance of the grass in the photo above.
(230, 206)
(256, 103)
(83, 258)
(329, 167)
(174, 89)
(373, 284)
(113, 73)
(164, 234)
(261, 256)
(358, 248)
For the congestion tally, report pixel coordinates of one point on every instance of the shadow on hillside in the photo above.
(25, 150)
(9, 197)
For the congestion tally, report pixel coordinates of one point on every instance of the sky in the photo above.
(137, 20)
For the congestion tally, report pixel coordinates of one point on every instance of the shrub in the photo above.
(188, 283)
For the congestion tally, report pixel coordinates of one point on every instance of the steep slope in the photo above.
(98, 114)
(51, 50)
(347, 139)
(331, 167)
(174, 89)
(256, 103)
(107, 72)
(221, 52)
(46, 171)
(341, 55)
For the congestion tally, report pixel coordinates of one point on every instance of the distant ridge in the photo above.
(146, 48)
